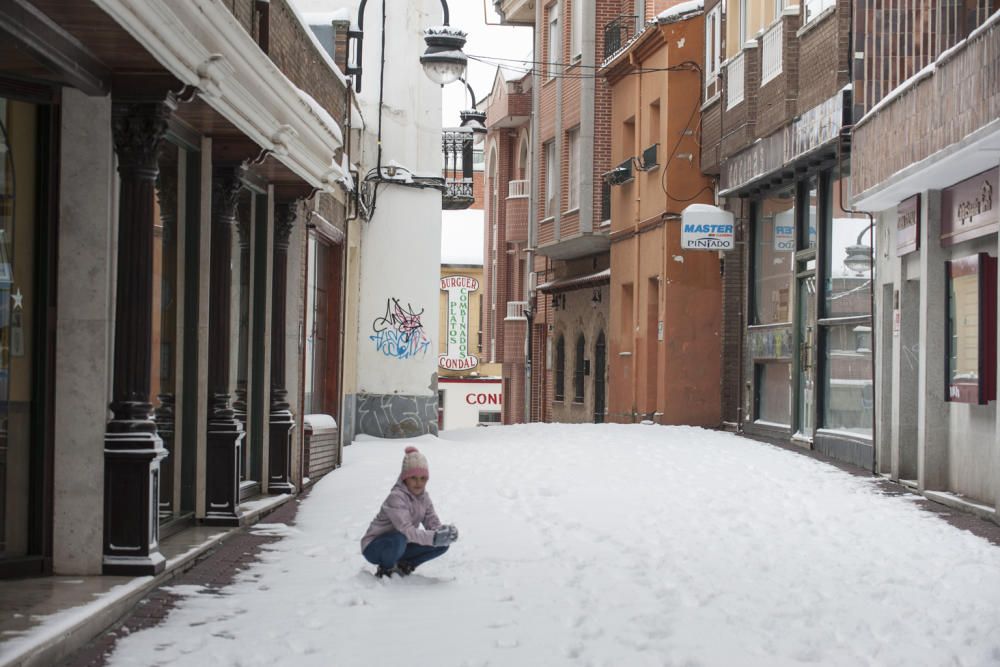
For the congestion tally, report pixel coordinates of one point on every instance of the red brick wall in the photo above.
(778, 97)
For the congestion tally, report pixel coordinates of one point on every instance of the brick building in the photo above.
(505, 238)
(796, 326)
(926, 142)
(666, 302)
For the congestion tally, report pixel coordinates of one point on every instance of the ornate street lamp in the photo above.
(443, 61)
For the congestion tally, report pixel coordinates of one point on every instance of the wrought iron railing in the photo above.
(617, 34)
(456, 144)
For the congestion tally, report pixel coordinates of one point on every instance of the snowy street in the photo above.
(603, 545)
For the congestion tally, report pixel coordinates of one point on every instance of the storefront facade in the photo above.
(934, 203)
(151, 264)
(797, 339)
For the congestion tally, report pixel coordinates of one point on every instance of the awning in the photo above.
(576, 282)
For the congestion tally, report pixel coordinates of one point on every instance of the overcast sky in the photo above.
(489, 41)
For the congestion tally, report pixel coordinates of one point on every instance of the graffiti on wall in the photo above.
(398, 332)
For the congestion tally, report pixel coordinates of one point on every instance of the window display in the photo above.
(971, 335)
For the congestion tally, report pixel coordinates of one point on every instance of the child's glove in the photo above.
(452, 532)
(442, 537)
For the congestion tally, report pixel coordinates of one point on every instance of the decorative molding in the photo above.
(203, 44)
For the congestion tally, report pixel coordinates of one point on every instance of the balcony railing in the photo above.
(735, 70)
(617, 34)
(456, 145)
(517, 189)
(515, 310)
(457, 194)
(770, 55)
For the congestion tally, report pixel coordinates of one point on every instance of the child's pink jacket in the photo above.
(404, 512)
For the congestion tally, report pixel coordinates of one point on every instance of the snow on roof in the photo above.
(680, 10)
(316, 44)
(462, 236)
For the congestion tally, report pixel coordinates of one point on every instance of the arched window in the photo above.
(560, 369)
(578, 372)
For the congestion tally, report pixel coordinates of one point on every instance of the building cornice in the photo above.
(202, 44)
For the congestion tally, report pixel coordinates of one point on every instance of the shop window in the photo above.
(21, 151)
(848, 243)
(971, 334)
(773, 384)
(579, 370)
(774, 246)
(560, 388)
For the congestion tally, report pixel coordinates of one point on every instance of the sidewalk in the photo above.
(45, 619)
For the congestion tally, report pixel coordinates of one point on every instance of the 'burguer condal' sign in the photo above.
(459, 289)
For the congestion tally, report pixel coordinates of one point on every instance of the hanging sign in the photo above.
(706, 227)
(908, 226)
(457, 357)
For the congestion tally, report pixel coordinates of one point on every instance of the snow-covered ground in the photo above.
(604, 545)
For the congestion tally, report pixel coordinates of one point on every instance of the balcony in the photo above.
(771, 52)
(516, 210)
(735, 80)
(517, 189)
(515, 310)
(618, 33)
(456, 144)
(515, 12)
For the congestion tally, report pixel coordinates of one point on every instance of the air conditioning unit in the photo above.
(648, 160)
(620, 174)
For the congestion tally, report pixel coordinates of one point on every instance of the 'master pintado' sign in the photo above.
(458, 358)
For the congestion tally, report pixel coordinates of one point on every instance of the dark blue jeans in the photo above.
(389, 549)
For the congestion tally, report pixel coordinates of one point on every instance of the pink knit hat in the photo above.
(414, 464)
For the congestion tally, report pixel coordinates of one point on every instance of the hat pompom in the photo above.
(414, 464)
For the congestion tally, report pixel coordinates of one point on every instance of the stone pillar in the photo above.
(281, 422)
(132, 447)
(225, 433)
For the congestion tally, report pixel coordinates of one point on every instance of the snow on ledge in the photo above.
(680, 10)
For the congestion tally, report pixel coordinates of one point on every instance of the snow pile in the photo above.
(605, 545)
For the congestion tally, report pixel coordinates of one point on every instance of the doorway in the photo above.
(600, 359)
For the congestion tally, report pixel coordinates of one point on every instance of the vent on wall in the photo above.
(648, 160)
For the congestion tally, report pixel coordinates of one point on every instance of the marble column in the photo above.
(281, 422)
(132, 448)
(225, 432)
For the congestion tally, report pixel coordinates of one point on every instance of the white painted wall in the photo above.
(401, 245)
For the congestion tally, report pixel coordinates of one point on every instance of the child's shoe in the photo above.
(385, 572)
(404, 569)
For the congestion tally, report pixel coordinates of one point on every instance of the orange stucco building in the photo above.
(664, 358)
